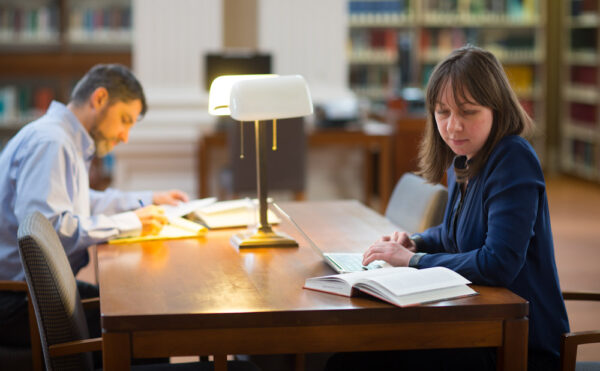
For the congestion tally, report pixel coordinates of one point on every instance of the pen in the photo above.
(140, 201)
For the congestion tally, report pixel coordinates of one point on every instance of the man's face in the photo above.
(112, 125)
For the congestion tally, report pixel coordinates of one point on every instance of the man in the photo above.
(45, 168)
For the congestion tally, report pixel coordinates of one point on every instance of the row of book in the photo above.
(23, 103)
(584, 75)
(364, 80)
(37, 23)
(583, 113)
(583, 153)
(583, 7)
(378, 7)
(449, 39)
(584, 39)
(437, 43)
(520, 9)
(374, 39)
(109, 22)
(511, 8)
(521, 78)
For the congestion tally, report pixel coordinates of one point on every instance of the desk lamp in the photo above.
(258, 98)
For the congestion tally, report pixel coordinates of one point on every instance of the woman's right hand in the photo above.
(153, 219)
(395, 250)
(402, 238)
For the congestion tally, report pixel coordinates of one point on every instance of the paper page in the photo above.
(354, 277)
(225, 206)
(445, 293)
(408, 282)
(232, 214)
(184, 208)
(177, 228)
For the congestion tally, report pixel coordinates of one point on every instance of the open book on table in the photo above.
(401, 286)
(221, 214)
(177, 228)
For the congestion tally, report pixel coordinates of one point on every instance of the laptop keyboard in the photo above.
(353, 262)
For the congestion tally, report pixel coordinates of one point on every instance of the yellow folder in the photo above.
(176, 229)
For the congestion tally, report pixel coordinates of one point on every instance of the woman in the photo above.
(496, 228)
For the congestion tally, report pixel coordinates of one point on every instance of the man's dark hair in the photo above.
(121, 84)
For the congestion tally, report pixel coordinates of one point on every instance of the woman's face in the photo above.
(463, 126)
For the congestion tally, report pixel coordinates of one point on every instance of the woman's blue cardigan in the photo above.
(503, 237)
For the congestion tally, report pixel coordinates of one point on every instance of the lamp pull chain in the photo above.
(241, 139)
(274, 135)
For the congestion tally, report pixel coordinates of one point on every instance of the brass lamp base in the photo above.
(260, 238)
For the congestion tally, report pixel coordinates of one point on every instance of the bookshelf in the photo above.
(580, 129)
(404, 39)
(47, 45)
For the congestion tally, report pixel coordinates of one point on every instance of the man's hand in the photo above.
(153, 219)
(172, 197)
(396, 250)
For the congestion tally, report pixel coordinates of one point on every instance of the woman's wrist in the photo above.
(418, 241)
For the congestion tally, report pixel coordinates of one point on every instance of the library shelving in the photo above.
(580, 129)
(47, 45)
(395, 44)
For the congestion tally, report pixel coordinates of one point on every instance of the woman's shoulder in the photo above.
(515, 155)
(516, 144)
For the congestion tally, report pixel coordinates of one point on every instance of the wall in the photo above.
(169, 42)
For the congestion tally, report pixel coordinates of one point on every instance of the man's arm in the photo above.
(49, 179)
(112, 201)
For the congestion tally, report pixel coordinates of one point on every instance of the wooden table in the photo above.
(369, 143)
(203, 296)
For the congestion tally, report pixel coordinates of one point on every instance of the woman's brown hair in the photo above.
(473, 72)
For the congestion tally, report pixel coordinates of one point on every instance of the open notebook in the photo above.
(220, 214)
(177, 228)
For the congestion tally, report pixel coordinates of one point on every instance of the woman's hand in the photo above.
(153, 219)
(396, 250)
(172, 197)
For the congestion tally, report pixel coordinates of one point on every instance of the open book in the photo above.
(401, 286)
(230, 214)
(177, 228)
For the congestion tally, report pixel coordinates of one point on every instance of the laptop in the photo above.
(340, 262)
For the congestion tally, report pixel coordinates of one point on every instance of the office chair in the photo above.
(570, 341)
(416, 205)
(58, 307)
(22, 358)
(286, 166)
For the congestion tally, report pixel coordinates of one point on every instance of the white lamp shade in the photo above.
(270, 98)
(220, 90)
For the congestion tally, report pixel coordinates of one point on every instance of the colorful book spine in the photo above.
(20, 23)
(22, 103)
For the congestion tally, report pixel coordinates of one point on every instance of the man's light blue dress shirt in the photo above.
(45, 168)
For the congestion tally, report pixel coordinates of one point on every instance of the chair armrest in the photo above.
(13, 286)
(580, 295)
(91, 303)
(74, 347)
(582, 337)
(568, 347)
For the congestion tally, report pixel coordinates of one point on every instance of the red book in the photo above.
(584, 113)
(584, 75)
(42, 97)
(391, 40)
(377, 39)
(528, 106)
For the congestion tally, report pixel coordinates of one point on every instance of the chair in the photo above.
(286, 166)
(58, 308)
(571, 340)
(22, 358)
(416, 205)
